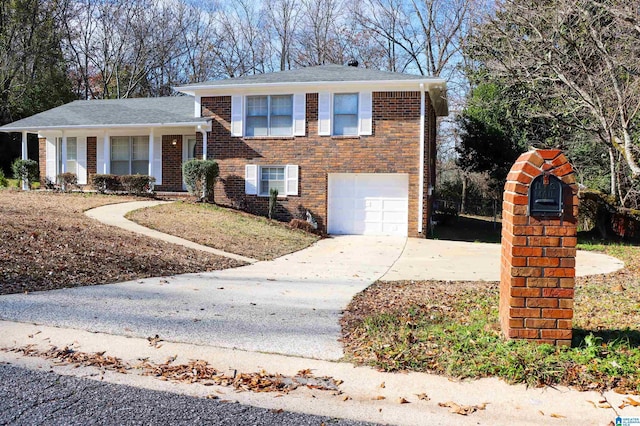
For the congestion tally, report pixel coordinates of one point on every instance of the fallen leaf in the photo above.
(423, 397)
(379, 398)
(463, 410)
(632, 401)
(382, 385)
(557, 416)
(346, 398)
(402, 400)
(212, 397)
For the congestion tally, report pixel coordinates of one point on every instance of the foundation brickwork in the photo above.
(538, 254)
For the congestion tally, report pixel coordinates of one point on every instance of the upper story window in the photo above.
(269, 115)
(345, 114)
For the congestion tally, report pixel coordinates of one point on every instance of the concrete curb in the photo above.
(113, 215)
(366, 394)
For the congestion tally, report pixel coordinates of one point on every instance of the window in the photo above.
(345, 114)
(72, 155)
(129, 155)
(272, 178)
(269, 115)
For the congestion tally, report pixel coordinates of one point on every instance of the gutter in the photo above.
(37, 129)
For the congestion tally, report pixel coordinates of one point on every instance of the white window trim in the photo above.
(284, 180)
(253, 179)
(269, 135)
(326, 114)
(130, 159)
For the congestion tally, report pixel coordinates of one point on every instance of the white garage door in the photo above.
(368, 203)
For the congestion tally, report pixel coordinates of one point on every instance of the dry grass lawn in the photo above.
(224, 229)
(46, 242)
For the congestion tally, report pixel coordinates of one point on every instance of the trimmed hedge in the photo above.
(200, 177)
(106, 183)
(67, 180)
(137, 184)
(131, 184)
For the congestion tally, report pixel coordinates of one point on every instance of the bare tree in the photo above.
(581, 59)
(284, 20)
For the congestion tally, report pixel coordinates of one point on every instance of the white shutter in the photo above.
(99, 155)
(251, 179)
(157, 159)
(236, 116)
(365, 113)
(51, 159)
(324, 114)
(82, 159)
(299, 114)
(291, 177)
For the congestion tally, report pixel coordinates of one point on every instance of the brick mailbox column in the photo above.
(537, 271)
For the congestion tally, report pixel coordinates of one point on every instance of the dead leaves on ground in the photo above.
(463, 410)
(64, 248)
(197, 371)
(628, 401)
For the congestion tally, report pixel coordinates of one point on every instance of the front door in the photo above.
(188, 152)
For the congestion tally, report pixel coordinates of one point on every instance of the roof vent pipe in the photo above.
(352, 63)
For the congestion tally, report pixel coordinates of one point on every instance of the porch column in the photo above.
(63, 154)
(106, 147)
(204, 143)
(25, 156)
(151, 154)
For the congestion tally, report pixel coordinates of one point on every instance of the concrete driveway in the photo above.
(291, 305)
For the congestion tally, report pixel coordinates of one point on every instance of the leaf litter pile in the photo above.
(452, 329)
(46, 242)
(196, 371)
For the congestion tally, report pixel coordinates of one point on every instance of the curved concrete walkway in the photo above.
(113, 214)
(463, 261)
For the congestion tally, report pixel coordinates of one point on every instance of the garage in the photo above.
(368, 203)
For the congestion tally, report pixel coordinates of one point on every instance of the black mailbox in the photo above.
(545, 196)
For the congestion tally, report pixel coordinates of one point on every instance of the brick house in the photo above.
(354, 147)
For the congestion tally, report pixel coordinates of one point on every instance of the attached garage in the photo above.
(368, 203)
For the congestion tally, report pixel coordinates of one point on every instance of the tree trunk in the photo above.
(463, 197)
(612, 170)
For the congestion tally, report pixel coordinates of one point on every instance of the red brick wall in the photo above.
(171, 163)
(42, 159)
(92, 146)
(392, 148)
(538, 255)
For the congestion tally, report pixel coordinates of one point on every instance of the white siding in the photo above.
(82, 160)
(157, 159)
(51, 159)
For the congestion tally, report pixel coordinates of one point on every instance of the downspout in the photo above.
(25, 156)
(205, 142)
(421, 178)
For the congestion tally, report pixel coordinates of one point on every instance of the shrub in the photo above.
(104, 183)
(303, 225)
(25, 170)
(4, 182)
(137, 184)
(67, 180)
(200, 177)
(273, 202)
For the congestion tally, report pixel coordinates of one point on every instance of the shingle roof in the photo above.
(164, 111)
(320, 73)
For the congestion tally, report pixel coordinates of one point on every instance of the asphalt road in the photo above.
(30, 397)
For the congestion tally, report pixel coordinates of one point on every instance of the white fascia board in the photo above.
(435, 86)
(204, 124)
